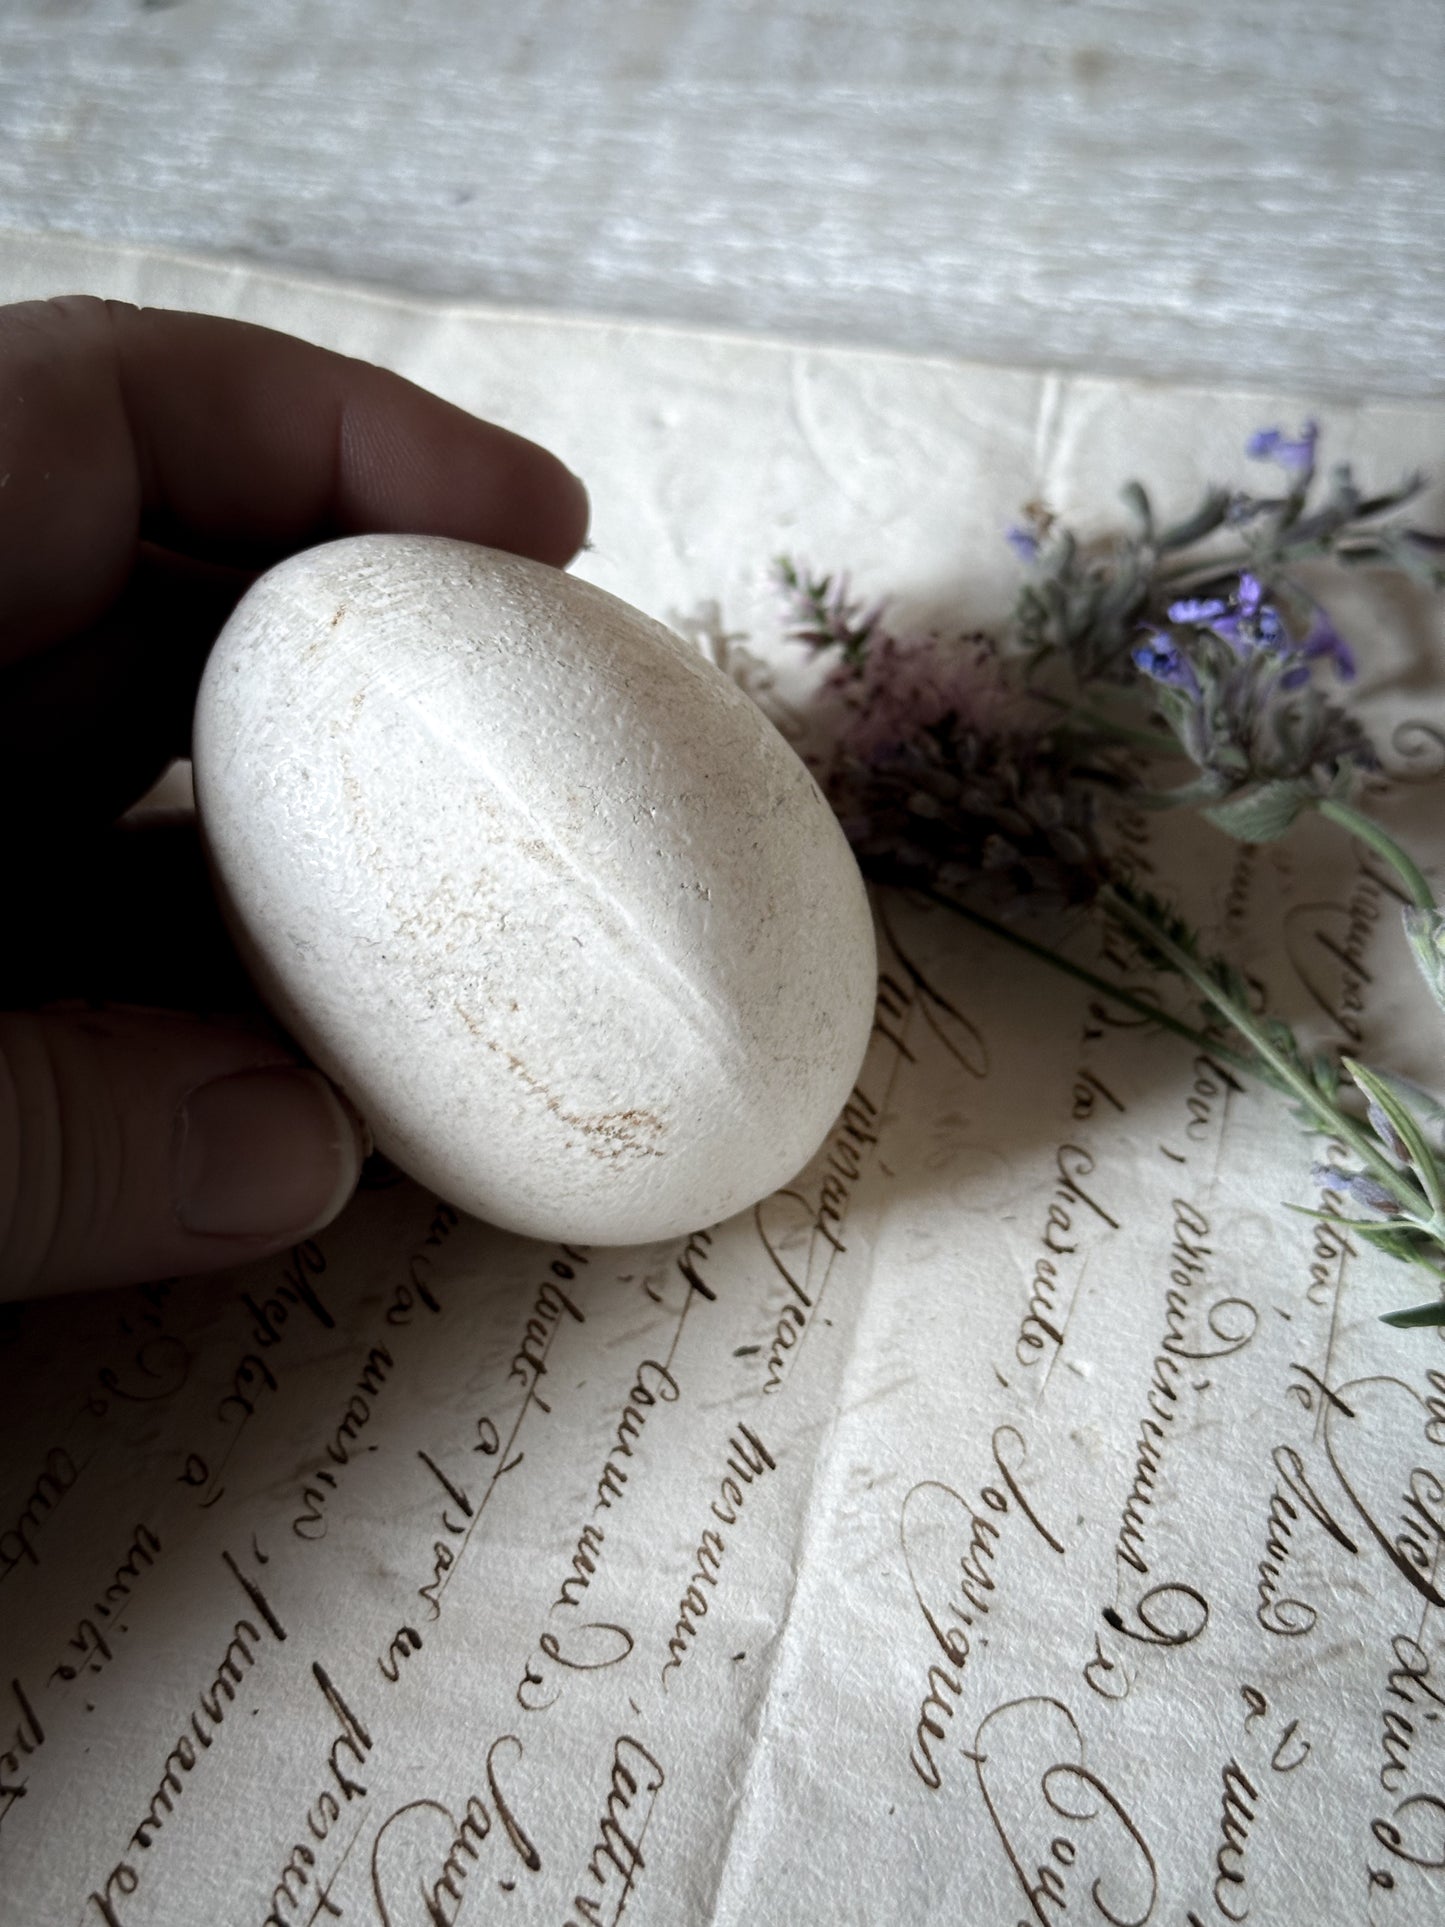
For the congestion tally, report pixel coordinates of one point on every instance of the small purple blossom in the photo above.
(1251, 594)
(1273, 445)
(1023, 542)
(1261, 616)
(1235, 672)
(1246, 621)
(1324, 643)
(1359, 1187)
(1385, 1131)
(1160, 658)
(1195, 609)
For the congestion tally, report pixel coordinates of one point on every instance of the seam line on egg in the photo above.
(712, 1026)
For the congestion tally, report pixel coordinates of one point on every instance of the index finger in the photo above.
(218, 438)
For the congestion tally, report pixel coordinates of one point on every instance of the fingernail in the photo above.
(265, 1153)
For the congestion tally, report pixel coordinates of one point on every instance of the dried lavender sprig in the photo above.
(1412, 1198)
(939, 768)
(1327, 1117)
(1231, 677)
(1404, 1180)
(901, 779)
(825, 615)
(1242, 635)
(1286, 536)
(1082, 607)
(1264, 752)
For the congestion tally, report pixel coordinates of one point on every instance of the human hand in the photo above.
(150, 464)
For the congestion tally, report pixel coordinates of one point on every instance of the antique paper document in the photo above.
(1022, 1516)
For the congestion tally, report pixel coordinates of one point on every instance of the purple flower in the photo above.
(1325, 643)
(1160, 658)
(1264, 628)
(1384, 1129)
(1023, 542)
(1198, 609)
(1358, 1186)
(1246, 621)
(1273, 445)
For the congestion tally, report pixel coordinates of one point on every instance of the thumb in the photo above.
(138, 1145)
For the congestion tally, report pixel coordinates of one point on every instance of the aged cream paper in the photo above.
(1021, 1517)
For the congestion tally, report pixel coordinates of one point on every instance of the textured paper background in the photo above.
(970, 1640)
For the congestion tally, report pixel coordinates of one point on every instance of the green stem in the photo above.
(1384, 845)
(1329, 1118)
(1206, 569)
(1115, 992)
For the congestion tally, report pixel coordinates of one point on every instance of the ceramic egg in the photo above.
(535, 884)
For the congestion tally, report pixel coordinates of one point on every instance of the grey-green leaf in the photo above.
(1261, 815)
(1432, 1313)
(1205, 519)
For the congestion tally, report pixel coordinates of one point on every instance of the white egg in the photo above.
(537, 886)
